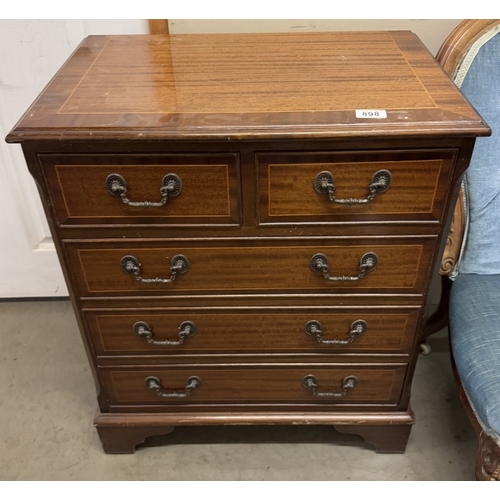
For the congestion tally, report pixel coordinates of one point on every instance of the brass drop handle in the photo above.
(325, 183)
(154, 383)
(367, 263)
(311, 382)
(143, 330)
(171, 185)
(358, 328)
(179, 265)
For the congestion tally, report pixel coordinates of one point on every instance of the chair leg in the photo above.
(439, 319)
(488, 459)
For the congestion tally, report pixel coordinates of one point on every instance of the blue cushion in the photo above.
(481, 86)
(475, 340)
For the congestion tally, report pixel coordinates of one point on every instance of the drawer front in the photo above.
(126, 269)
(266, 330)
(292, 190)
(200, 189)
(264, 384)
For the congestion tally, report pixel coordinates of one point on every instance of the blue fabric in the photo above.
(475, 340)
(482, 87)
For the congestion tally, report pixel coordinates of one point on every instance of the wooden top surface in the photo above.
(248, 86)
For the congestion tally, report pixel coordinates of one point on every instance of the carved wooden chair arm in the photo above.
(455, 238)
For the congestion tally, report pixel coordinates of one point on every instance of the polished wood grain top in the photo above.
(248, 86)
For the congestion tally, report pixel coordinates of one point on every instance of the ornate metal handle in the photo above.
(367, 263)
(171, 185)
(311, 382)
(179, 265)
(325, 183)
(358, 327)
(143, 330)
(154, 383)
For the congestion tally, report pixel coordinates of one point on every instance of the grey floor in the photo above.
(47, 402)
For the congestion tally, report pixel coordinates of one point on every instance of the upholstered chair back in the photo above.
(478, 76)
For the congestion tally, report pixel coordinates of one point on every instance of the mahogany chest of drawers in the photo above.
(249, 224)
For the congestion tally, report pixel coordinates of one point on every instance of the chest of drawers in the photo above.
(249, 224)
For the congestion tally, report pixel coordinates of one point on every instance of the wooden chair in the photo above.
(471, 262)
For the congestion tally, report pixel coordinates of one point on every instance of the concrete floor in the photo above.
(47, 402)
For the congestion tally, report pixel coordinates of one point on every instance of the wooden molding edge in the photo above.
(158, 26)
(460, 39)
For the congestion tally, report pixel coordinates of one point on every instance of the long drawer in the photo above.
(139, 189)
(364, 265)
(254, 384)
(340, 187)
(261, 330)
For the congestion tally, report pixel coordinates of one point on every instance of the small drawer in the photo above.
(366, 186)
(371, 265)
(266, 330)
(144, 189)
(254, 384)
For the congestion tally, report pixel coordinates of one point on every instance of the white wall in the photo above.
(31, 51)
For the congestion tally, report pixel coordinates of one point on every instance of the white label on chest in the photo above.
(371, 113)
